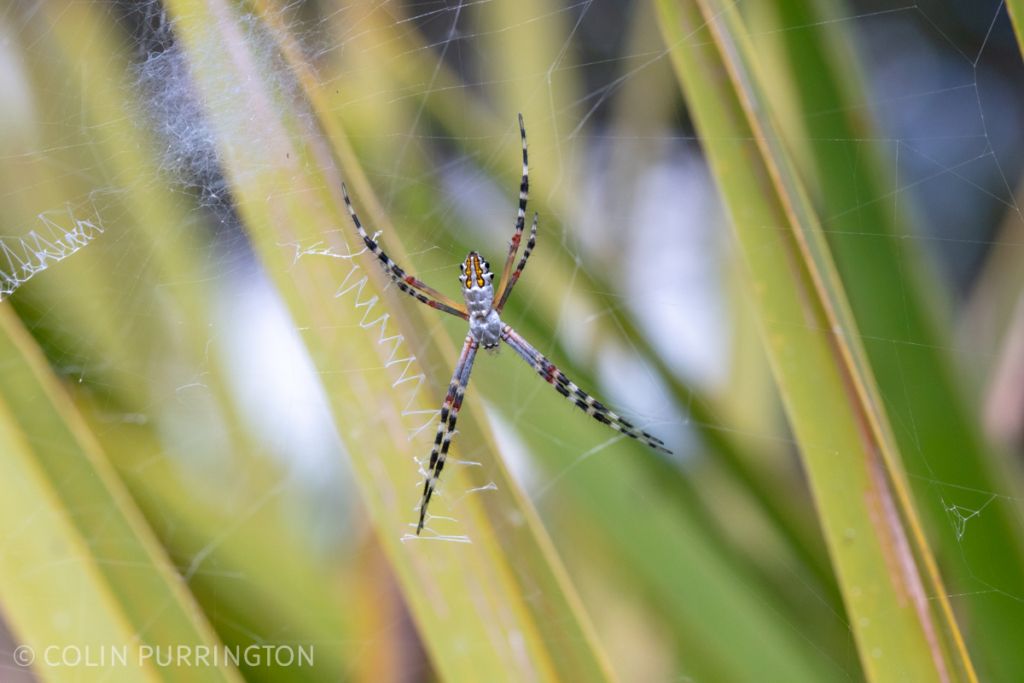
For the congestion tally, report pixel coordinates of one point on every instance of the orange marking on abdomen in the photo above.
(475, 270)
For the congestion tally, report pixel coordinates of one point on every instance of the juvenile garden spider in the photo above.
(482, 310)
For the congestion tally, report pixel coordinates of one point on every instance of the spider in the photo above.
(482, 309)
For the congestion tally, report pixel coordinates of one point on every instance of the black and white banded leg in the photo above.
(530, 244)
(409, 284)
(446, 424)
(581, 399)
(524, 195)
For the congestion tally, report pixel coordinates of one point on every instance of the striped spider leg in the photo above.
(409, 284)
(446, 425)
(505, 285)
(581, 399)
(482, 308)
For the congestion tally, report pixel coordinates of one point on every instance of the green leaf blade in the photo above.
(881, 559)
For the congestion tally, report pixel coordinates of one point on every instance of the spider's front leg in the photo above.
(581, 399)
(446, 425)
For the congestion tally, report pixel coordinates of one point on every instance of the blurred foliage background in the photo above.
(784, 236)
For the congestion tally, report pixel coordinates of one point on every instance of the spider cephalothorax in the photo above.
(482, 309)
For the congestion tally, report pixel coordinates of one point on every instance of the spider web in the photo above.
(634, 285)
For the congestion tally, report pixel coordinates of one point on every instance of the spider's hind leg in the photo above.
(407, 283)
(530, 244)
(524, 195)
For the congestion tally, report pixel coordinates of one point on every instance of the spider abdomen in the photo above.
(479, 300)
